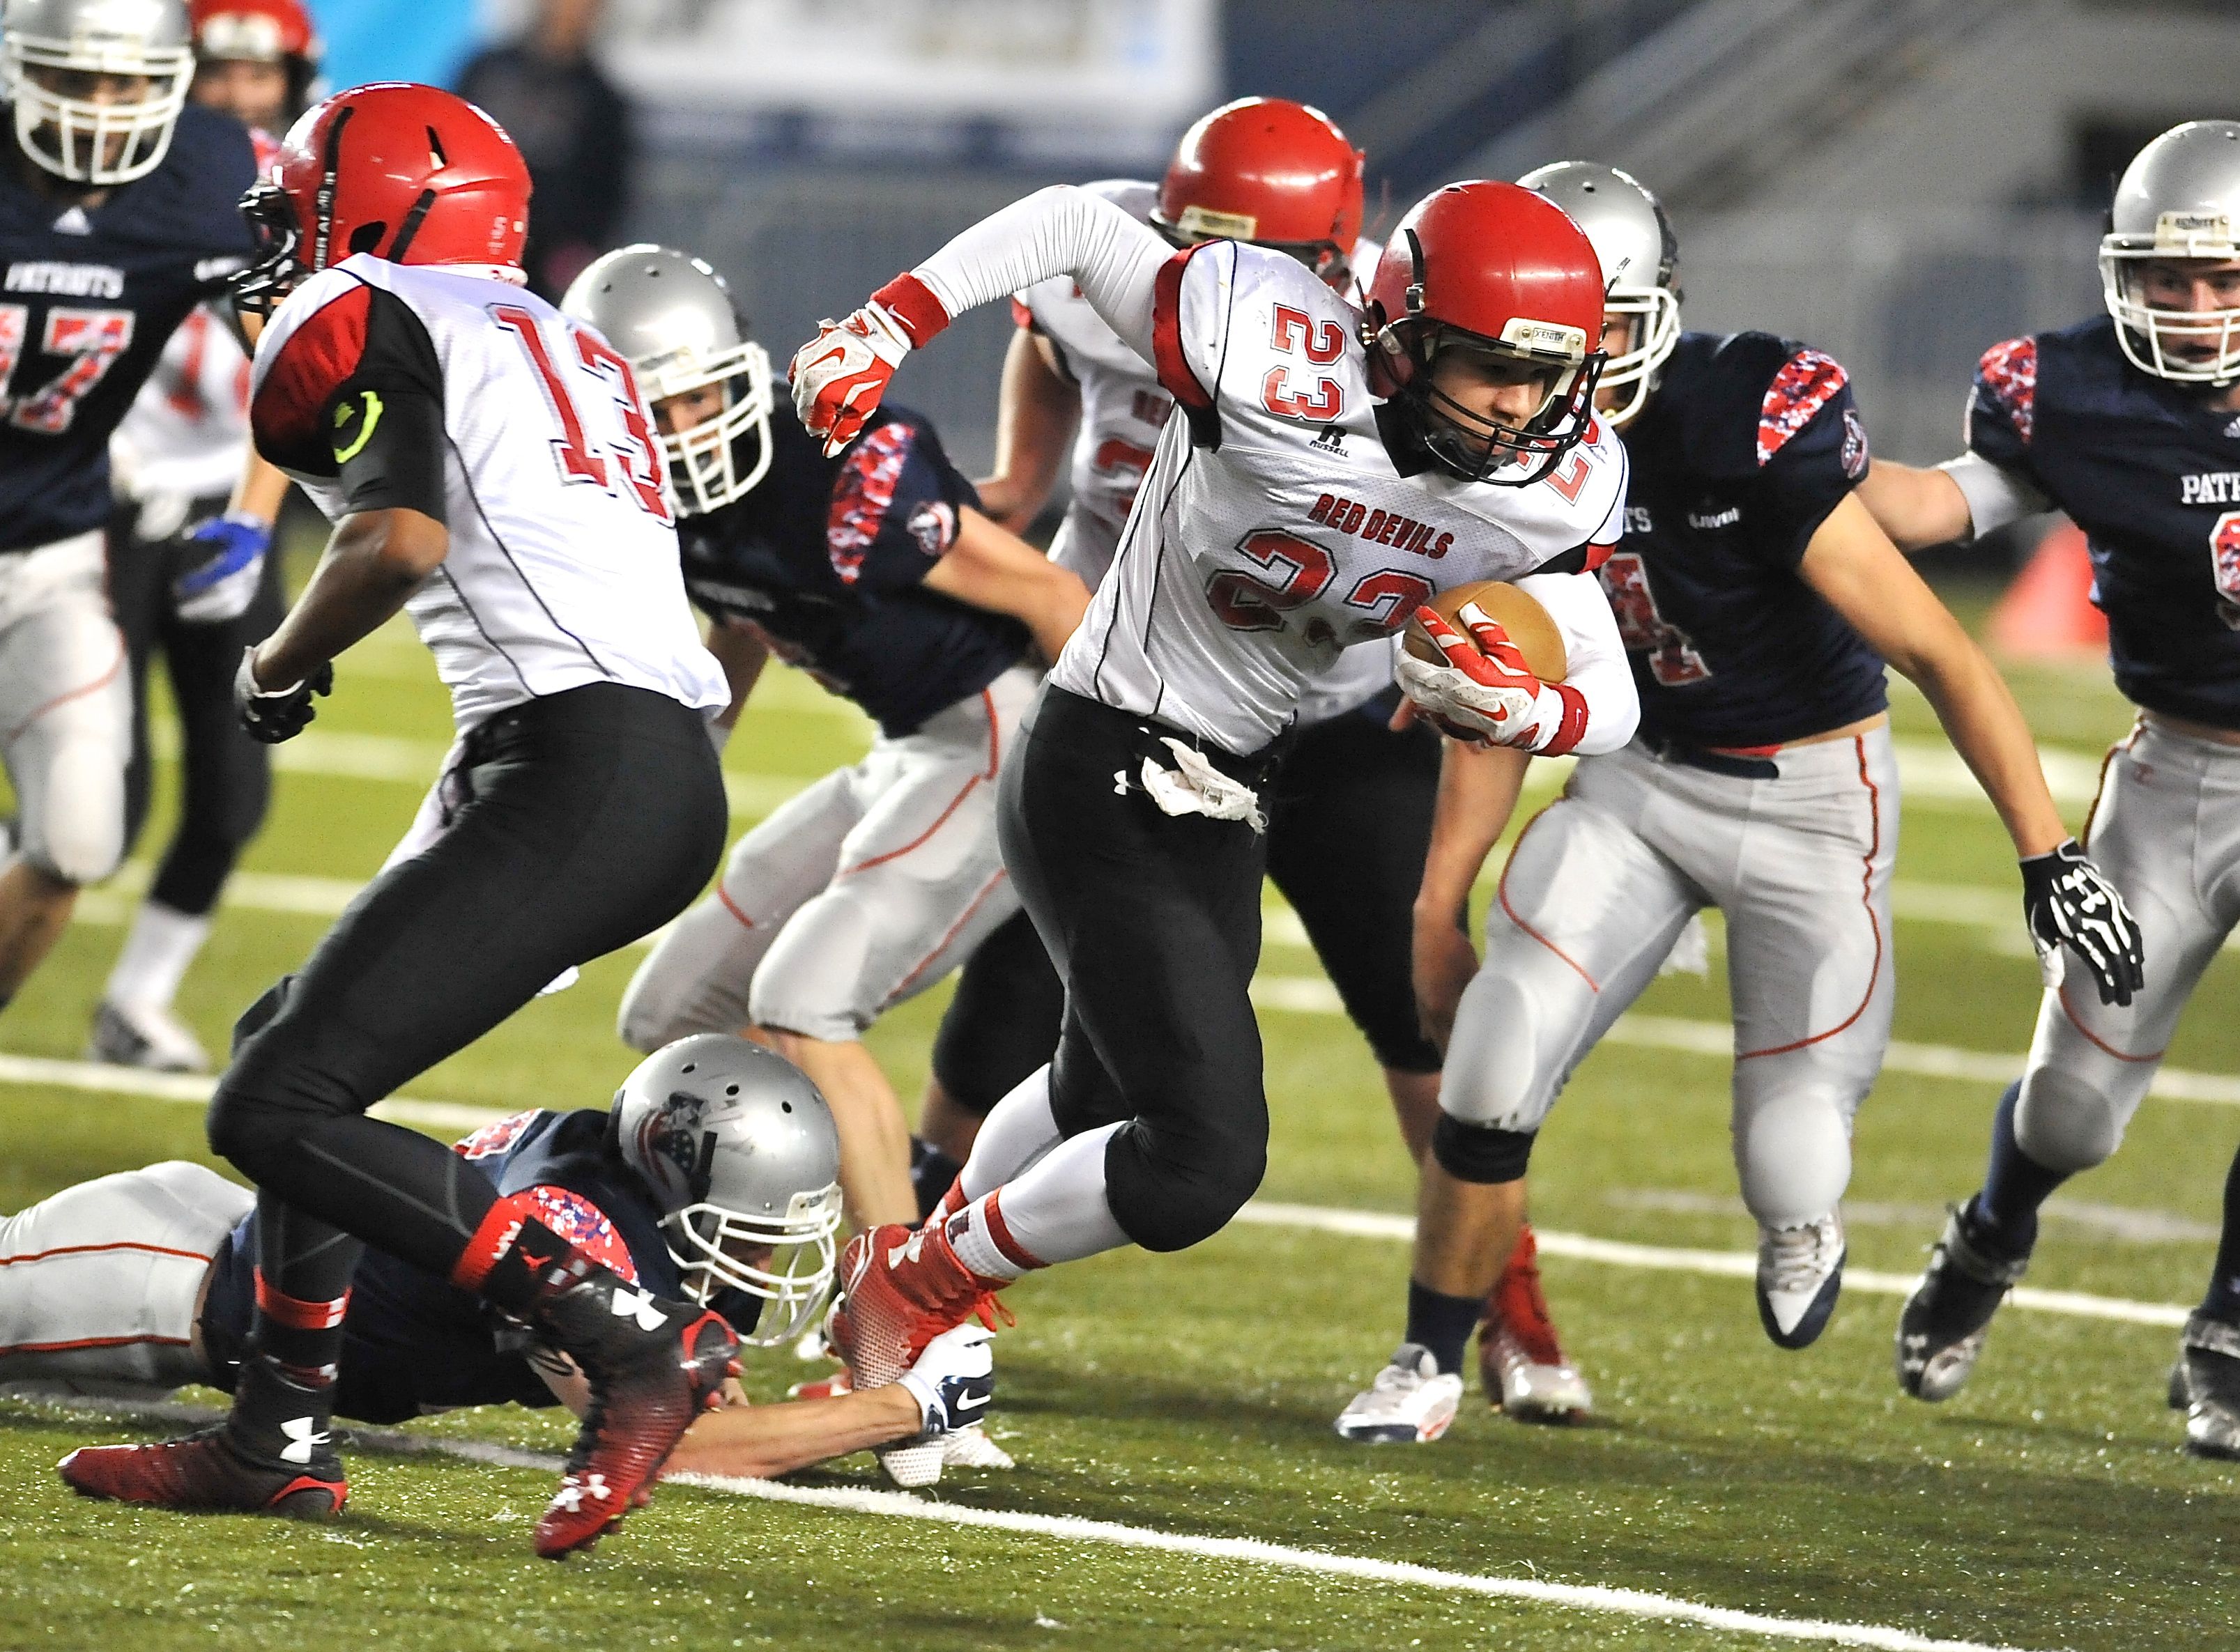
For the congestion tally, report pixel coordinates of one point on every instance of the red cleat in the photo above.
(653, 1367)
(1520, 1361)
(900, 1289)
(824, 1387)
(204, 1474)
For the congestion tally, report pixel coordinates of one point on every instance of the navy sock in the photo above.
(2003, 1216)
(2223, 1299)
(1442, 1324)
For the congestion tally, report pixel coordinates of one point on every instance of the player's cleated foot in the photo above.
(1521, 1364)
(1942, 1326)
(2208, 1351)
(970, 1447)
(1411, 1402)
(205, 1473)
(2179, 1395)
(653, 1366)
(126, 1034)
(1800, 1273)
(900, 1288)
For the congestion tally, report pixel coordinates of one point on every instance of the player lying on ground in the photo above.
(189, 573)
(1326, 473)
(490, 468)
(120, 207)
(2131, 424)
(873, 569)
(1759, 602)
(1351, 792)
(711, 1177)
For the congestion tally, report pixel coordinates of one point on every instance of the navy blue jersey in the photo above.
(828, 558)
(2152, 473)
(1747, 443)
(88, 299)
(413, 1342)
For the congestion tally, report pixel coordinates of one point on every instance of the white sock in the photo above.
(1056, 1212)
(163, 943)
(1017, 1131)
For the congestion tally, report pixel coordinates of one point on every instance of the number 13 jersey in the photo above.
(564, 566)
(1274, 530)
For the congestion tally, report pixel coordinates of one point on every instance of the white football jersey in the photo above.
(563, 567)
(1274, 531)
(187, 433)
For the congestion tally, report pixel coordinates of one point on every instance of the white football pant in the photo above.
(2166, 830)
(861, 892)
(98, 1285)
(65, 708)
(1604, 881)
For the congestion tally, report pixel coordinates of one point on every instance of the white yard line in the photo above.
(1360, 1224)
(1248, 1551)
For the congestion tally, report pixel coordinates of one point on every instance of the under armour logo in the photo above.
(637, 1304)
(1119, 783)
(304, 1436)
(569, 1497)
(906, 1250)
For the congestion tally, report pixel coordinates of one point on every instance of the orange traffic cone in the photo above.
(2048, 612)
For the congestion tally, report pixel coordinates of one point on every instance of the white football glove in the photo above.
(839, 375)
(954, 1380)
(1483, 691)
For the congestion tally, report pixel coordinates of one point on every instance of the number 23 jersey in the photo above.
(1274, 530)
(562, 567)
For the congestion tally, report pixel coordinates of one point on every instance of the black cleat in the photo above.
(2208, 1358)
(1942, 1326)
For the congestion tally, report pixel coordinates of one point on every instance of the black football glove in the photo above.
(2067, 901)
(274, 715)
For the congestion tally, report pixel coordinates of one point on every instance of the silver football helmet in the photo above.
(88, 140)
(672, 316)
(2179, 198)
(1634, 240)
(741, 1154)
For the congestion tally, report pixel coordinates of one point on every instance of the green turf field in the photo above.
(2047, 1505)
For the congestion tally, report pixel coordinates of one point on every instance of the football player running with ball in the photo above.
(1350, 788)
(711, 1178)
(1327, 471)
(1759, 603)
(490, 468)
(873, 569)
(2131, 422)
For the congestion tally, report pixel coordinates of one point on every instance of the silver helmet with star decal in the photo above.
(1639, 255)
(2170, 264)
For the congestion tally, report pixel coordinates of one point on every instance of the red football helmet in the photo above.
(261, 31)
(1269, 170)
(1502, 272)
(408, 173)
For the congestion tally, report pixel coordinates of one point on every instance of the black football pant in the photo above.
(1153, 921)
(227, 777)
(590, 818)
(1350, 824)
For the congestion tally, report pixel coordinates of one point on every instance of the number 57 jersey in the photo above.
(563, 567)
(1276, 527)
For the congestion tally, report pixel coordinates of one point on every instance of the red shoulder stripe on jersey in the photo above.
(312, 365)
(1807, 381)
(861, 495)
(2009, 372)
(1172, 366)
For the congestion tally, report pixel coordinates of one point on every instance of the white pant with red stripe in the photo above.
(98, 1283)
(1602, 881)
(2166, 830)
(65, 708)
(865, 890)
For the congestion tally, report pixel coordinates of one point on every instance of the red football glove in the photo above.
(1484, 692)
(839, 375)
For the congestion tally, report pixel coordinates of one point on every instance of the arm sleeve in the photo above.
(894, 510)
(1061, 230)
(1811, 450)
(1595, 668)
(2001, 419)
(1995, 496)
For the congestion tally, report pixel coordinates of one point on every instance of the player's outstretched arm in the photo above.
(839, 377)
(991, 568)
(1856, 569)
(1035, 418)
(1962, 498)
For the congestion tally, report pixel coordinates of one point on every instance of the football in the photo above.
(1518, 613)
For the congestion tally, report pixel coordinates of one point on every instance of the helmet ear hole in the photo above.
(367, 237)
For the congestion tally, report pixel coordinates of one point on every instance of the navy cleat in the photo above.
(1800, 1273)
(1942, 1326)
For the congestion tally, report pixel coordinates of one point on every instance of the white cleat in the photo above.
(1800, 1271)
(971, 1449)
(1537, 1390)
(913, 1466)
(1410, 1402)
(145, 1035)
